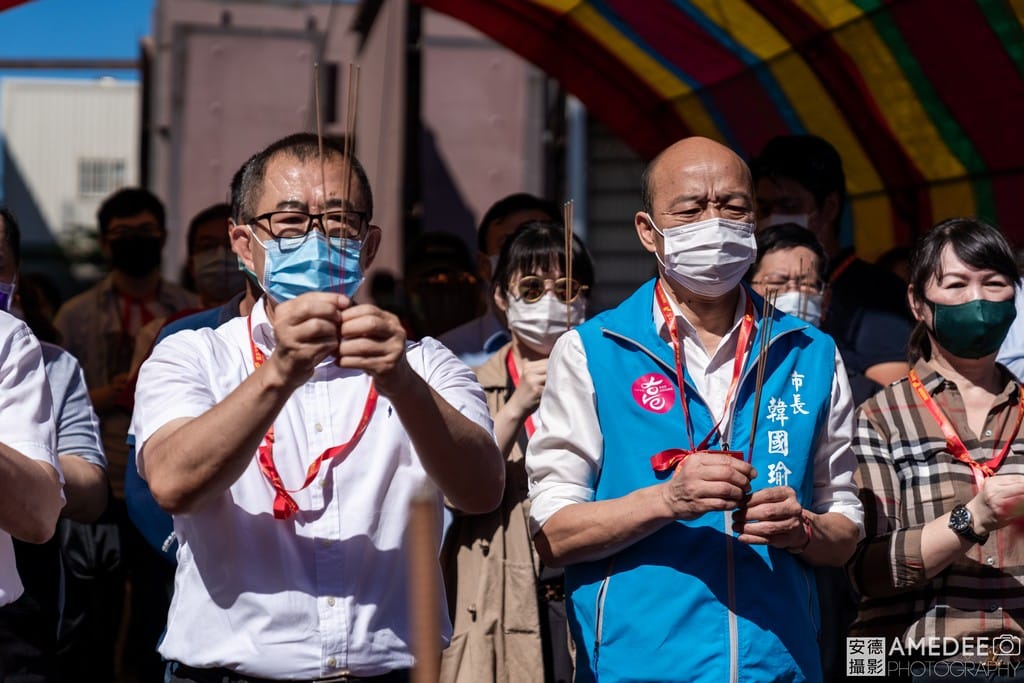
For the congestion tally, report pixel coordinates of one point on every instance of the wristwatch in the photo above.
(960, 521)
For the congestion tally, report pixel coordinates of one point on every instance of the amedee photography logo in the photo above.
(937, 657)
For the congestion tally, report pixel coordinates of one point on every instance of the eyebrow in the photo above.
(300, 205)
(723, 198)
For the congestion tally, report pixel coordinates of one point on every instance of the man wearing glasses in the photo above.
(288, 444)
(687, 542)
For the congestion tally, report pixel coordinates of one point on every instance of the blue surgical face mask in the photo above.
(296, 265)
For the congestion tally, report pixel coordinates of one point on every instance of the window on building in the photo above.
(100, 177)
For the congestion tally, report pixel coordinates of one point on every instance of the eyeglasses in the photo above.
(351, 225)
(802, 284)
(532, 287)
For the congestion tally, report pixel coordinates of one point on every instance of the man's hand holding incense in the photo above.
(373, 340)
(306, 330)
(707, 481)
(772, 516)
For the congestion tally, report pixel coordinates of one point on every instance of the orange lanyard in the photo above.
(669, 458)
(955, 445)
(513, 373)
(284, 505)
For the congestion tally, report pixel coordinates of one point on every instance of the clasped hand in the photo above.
(316, 325)
(709, 481)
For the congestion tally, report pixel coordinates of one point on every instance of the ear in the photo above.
(500, 301)
(241, 243)
(917, 306)
(370, 246)
(648, 237)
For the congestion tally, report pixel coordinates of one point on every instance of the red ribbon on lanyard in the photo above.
(841, 268)
(284, 505)
(127, 302)
(955, 445)
(672, 457)
(513, 373)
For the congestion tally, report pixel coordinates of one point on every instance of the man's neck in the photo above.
(712, 318)
(141, 287)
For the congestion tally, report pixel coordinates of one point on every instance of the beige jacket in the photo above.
(491, 569)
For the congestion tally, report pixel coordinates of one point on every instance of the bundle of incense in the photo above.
(767, 321)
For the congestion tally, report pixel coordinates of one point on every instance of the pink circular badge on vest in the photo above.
(654, 392)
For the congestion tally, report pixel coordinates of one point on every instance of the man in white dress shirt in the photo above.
(686, 549)
(30, 479)
(286, 570)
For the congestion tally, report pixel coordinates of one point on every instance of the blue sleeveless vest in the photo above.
(690, 602)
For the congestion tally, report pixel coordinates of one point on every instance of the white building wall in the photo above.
(50, 126)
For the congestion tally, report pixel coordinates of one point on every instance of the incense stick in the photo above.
(567, 220)
(422, 540)
(767, 322)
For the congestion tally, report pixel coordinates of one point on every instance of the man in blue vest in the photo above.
(688, 549)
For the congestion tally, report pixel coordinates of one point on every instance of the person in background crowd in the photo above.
(1011, 353)
(897, 262)
(474, 342)
(214, 269)
(941, 463)
(687, 548)
(799, 179)
(277, 583)
(29, 625)
(440, 284)
(791, 261)
(523, 637)
(99, 327)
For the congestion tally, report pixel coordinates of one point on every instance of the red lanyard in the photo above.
(669, 458)
(841, 268)
(953, 442)
(145, 315)
(284, 505)
(510, 363)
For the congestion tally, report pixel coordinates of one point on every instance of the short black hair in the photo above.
(976, 243)
(807, 159)
(220, 211)
(235, 191)
(787, 236)
(540, 245)
(12, 233)
(128, 202)
(506, 206)
(302, 146)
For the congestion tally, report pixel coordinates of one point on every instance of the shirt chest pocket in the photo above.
(931, 483)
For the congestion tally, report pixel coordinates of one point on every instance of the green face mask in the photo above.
(973, 329)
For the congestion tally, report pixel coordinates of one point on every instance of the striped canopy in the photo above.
(922, 98)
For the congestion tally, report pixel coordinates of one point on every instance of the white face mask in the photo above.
(801, 219)
(540, 324)
(710, 257)
(805, 306)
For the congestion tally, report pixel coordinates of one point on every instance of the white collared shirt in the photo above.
(26, 422)
(565, 454)
(325, 591)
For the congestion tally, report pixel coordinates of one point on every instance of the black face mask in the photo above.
(135, 256)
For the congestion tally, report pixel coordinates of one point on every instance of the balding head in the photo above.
(692, 155)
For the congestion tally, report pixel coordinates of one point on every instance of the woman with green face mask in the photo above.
(941, 469)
